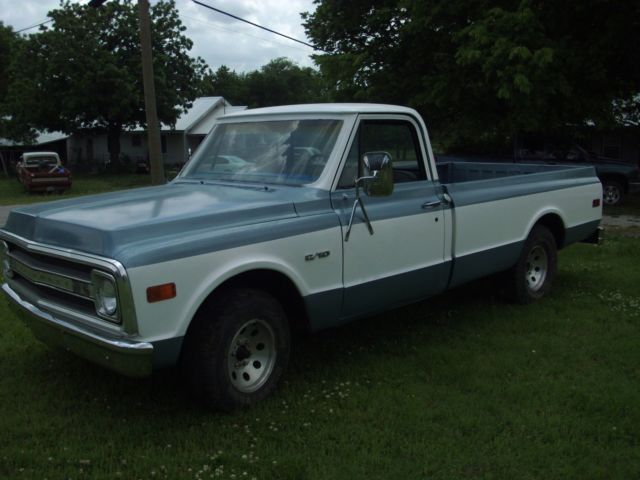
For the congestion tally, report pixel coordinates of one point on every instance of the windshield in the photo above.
(38, 159)
(291, 152)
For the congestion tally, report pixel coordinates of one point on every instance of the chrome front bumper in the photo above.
(134, 359)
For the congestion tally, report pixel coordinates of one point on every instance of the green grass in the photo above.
(13, 193)
(462, 386)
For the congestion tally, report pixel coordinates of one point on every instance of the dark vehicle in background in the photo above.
(618, 178)
(43, 172)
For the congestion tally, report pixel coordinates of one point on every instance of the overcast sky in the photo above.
(219, 39)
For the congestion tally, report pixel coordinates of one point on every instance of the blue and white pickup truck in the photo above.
(304, 216)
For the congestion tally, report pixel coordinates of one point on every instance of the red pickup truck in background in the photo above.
(43, 172)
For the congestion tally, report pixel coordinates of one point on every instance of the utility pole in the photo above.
(153, 129)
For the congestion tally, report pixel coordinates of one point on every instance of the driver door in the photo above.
(404, 259)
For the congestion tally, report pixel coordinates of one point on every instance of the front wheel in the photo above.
(237, 349)
(531, 278)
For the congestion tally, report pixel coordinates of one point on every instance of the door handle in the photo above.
(434, 204)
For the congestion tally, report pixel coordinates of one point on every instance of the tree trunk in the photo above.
(4, 165)
(113, 143)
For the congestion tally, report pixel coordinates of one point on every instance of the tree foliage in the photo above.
(8, 40)
(86, 72)
(483, 70)
(279, 82)
(10, 127)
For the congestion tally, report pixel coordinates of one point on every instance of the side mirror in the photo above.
(380, 181)
(376, 161)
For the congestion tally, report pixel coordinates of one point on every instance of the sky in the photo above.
(219, 39)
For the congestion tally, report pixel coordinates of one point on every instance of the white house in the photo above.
(91, 148)
(88, 150)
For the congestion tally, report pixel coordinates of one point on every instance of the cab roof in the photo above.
(324, 109)
(35, 154)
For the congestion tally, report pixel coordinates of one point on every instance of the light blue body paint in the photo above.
(183, 219)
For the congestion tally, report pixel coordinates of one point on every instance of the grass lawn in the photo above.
(462, 386)
(13, 193)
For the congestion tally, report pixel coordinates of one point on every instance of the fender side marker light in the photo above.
(158, 293)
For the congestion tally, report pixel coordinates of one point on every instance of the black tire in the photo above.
(222, 350)
(531, 278)
(612, 192)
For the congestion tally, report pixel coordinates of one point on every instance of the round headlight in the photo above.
(105, 296)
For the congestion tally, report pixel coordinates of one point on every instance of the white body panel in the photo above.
(483, 226)
(196, 277)
(398, 245)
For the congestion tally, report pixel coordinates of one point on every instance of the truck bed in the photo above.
(472, 183)
(495, 204)
(458, 172)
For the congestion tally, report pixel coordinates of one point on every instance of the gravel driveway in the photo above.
(621, 221)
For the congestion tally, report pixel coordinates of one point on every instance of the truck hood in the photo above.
(111, 224)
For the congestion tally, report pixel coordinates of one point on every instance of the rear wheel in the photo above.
(612, 192)
(237, 349)
(531, 278)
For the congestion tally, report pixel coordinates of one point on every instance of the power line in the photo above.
(218, 27)
(254, 24)
(34, 26)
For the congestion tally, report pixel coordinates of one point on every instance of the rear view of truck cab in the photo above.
(43, 172)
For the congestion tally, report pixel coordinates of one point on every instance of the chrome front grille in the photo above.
(60, 282)
(38, 272)
(57, 282)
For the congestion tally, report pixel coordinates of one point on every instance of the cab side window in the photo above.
(397, 138)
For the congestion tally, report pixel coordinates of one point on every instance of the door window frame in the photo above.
(354, 137)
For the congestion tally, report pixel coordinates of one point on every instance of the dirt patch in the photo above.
(622, 221)
(622, 225)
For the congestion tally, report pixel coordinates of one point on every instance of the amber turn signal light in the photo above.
(158, 293)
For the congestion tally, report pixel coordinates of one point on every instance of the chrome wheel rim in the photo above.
(611, 194)
(252, 356)
(537, 267)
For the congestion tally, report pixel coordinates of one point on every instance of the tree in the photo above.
(10, 125)
(282, 82)
(482, 71)
(226, 83)
(85, 71)
(279, 82)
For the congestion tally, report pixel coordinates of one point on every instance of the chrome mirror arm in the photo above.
(358, 201)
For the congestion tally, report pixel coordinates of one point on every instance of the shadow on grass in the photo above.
(74, 384)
